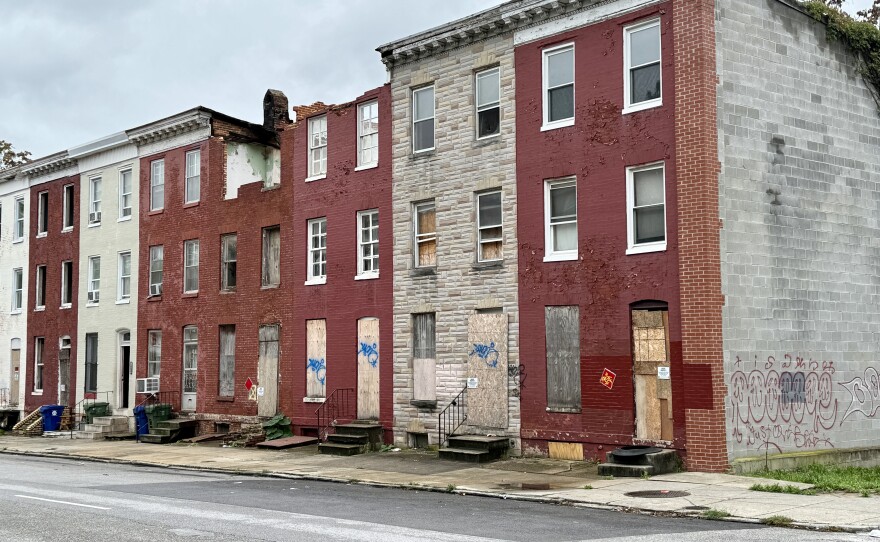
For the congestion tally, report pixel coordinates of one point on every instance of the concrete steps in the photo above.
(475, 448)
(103, 427)
(170, 431)
(637, 461)
(353, 438)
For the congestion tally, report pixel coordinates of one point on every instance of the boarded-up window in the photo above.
(227, 361)
(267, 370)
(316, 358)
(424, 357)
(272, 256)
(426, 235)
(489, 226)
(424, 345)
(562, 326)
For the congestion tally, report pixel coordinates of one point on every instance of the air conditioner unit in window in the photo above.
(147, 385)
(94, 218)
(94, 296)
(155, 289)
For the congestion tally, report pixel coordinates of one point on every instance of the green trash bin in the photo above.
(95, 410)
(158, 413)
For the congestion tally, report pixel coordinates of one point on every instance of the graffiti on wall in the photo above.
(864, 394)
(487, 353)
(371, 352)
(518, 374)
(319, 367)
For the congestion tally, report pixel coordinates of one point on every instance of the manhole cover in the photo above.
(657, 494)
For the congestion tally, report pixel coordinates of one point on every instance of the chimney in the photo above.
(275, 110)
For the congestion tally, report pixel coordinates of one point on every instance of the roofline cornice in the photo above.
(188, 121)
(49, 164)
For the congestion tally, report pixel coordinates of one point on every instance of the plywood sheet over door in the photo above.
(316, 358)
(653, 396)
(487, 363)
(267, 371)
(368, 369)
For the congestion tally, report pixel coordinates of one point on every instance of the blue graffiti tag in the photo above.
(371, 352)
(319, 366)
(484, 351)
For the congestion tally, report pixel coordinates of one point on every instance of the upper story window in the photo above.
(193, 176)
(490, 239)
(425, 229)
(317, 147)
(95, 200)
(559, 86)
(66, 284)
(272, 256)
(646, 203)
(157, 265)
(368, 134)
(317, 263)
(125, 187)
(18, 220)
(39, 346)
(17, 289)
(42, 213)
(191, 266)
(228, 261)
(560, 220)
(642, 66)
(157, 185)
(423, 119)
(94, 284)
(69, 215)
(368, 243)
(488, 83)
(40, 300)
(123, 287)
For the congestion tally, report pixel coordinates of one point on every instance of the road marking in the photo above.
(62, 502)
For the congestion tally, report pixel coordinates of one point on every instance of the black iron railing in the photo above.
(158, 397)
(77, 413)
(451, 417)
(340, 406)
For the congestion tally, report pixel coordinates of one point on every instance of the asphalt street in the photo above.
(66, 500)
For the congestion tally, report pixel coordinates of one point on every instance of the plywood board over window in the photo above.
(424, 357)
(267, 371)
(368, 360)
(272, 256)
(562, 327)
(316, 358)
(653, 396)
(487, 362)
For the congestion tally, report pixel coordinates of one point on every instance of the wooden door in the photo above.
(653, 396)
(316, 358)
(487, 370)
(64, 376)
(14, 377)
(267, 371)
(563, 344)
(368, 369)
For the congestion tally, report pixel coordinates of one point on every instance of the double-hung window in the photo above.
(39, 346)
(68, 202)
(559, 86)
(228, 261)
(318, 147)
(123, 287)
(368, 243)
(125, 188)
(368, 134)
(317, 268)
(271, 256)
(488, 83)
(17, 289)
(425, 229)
(157, 266)
(18, 225)
(94, 200)
(94, 285)
(42, 214)
(646, 205)
(40, 301)
(423, 119)
(193, 176)
(154, 353)
(191, 266)
(66, 284)
(489, 230)
(227, 361)
(560, 220)
(91, 380)
(157, 185)
(642, 66)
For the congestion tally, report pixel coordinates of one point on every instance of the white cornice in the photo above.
(99, 145)
(192, 120)
(49, 164)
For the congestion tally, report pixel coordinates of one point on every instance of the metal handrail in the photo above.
(80, 408)
(452, 417)
(158, 397)
(341, 404)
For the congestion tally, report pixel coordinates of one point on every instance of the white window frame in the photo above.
(94, 282)
(186, 266)
(39, 363)
(66, 267)
(18, 226)
(551, 255)
(364, 134)
(545, 90)
(17, 290)
(481, 227)
(486, 107)
(40, 288)
(193, 174)
(42, 230)
(315, 253)
(432, 118)
(226, 262)
(67, 217)
(362, 246)
(123, 280)
(154, 249)
(95, 202)
(419, 238)
(157, 184)
(632, 246)
(154, 360)
(629, 107)
(125, 211)
(319, 172)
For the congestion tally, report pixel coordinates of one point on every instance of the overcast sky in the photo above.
(74, 71)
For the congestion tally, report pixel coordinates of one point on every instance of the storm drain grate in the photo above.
(657, 494)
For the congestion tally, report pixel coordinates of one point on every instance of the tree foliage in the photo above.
(9, 157)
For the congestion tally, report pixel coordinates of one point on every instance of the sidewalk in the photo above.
(538, 479)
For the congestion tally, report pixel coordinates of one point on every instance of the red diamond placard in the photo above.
(248, 384)
(607, 379)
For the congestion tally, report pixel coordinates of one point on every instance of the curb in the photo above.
(538, 499)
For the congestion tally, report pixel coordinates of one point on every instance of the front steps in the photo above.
(170, 431)
(475, 448)
(353, 438)
(104, 427)
(637, 461)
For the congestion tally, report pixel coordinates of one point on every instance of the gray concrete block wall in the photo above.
(451, 174)
(799, 144)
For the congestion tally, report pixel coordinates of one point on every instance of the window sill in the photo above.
(563, 410)
(424, 403)
(316, 177)
(41, 235)
(222, 399)
(423, 272)
(368, 166)
(19, 240)
(270, 286)
(94, 224)
(270, 187)
(123, 301)
(643, 249)
(641, 106)
(315, 281)
(487, 140)
(367, 276)
(37, 392)
(92, 305)
(561, 257)
(227, 291)
(15, 311)
(558, 124)
(151, 298)
(124, 219)
(68, 229)
(191, 204)
(156, 211)
(190, 294)
(488, 266)
(424, 153)
(40, 309)
(314, 399)
(65, 306)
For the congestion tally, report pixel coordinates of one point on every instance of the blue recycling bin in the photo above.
(51, 416)
(141, 422)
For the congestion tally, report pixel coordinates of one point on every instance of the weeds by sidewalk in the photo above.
(826, 478)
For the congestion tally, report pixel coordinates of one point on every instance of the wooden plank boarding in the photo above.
(267, 371)
(487, 362)
(316, 358)
(562, 325)
(368, 360)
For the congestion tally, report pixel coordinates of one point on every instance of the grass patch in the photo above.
(777, 521)
(826, 478)
(588, 486)
(450, 488)
(780, 488)
(714, 513)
